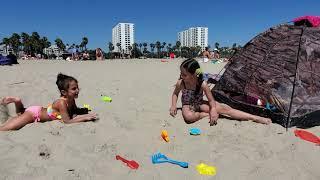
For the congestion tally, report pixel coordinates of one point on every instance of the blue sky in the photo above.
(228, 21)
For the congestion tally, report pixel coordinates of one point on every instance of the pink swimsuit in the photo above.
(35, 110)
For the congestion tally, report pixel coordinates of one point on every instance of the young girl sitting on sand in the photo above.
(194, 107)
(64, 108)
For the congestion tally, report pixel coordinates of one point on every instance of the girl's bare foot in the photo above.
(9, 99)
(262, 120)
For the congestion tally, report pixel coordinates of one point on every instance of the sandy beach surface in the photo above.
(130, 126)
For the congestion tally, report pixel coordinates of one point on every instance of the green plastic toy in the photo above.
(106, 98)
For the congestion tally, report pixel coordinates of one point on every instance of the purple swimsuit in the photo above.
(190, 98)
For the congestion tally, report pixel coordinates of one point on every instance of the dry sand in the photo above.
(130, 126)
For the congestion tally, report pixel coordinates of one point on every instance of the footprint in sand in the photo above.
(44, 151)
(109, 148)
(55, 133)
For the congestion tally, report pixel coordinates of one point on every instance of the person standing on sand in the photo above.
(206, 55)
(99, 54)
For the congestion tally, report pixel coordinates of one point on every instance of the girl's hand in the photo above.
(91, 116)
(173, 111)
(213, 115)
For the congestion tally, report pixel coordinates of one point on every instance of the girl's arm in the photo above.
(175, 94)
(63, 110)
(212, 103)
(174, 98)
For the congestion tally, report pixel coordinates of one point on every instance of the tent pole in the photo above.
(294, 81)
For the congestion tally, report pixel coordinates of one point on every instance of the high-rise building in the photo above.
(194, 36)
(123, 33)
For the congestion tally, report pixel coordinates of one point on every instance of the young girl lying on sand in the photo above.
(64, 108)
(194, 107)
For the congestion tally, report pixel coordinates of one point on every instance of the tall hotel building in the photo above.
(123, 33)
(195, 36)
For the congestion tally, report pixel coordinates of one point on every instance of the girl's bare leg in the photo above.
(17, 122)
(240, 115)
(190, 116)
(17, 101)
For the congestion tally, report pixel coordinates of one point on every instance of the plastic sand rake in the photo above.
(161, 158)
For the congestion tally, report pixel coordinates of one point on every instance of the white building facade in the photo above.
(194, 36)
(53, 49)
(123, 33)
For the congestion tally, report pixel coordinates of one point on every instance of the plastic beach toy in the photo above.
(308, 136)
(161, 158)
(131, 164)
(206, 170)
(164, 135)
(106, 98)
(87, 106)
(195, 131)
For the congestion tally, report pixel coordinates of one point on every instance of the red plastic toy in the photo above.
(131, 164)
(308, 136)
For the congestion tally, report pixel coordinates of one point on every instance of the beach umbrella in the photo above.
(276, 75)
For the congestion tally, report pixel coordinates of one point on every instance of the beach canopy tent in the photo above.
(276, 75)
(5, 60)
(8, 60)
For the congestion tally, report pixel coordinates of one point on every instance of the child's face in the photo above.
(186, 76)
(73, 90)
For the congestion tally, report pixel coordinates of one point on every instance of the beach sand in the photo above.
(131, 125)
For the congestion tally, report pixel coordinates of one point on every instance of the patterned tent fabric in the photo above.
(279, 68)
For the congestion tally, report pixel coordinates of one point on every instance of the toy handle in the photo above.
(121, 158)
(182, 164)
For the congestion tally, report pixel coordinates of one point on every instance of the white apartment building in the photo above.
(123, 33)
(194, 36)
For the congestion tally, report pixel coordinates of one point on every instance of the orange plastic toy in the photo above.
(164, 135)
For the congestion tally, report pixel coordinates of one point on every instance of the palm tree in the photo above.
(130, 48)
(85, 42)
(111, 47)
(178, 45)
(158, 46)
(145, 46)
(81, 46)
(152, 46)
(216, 45)
(45, 43)
(119, 49)
(35, 42)
(134, 50)
(169, 48)
(60, 44)
(15, 42)
(26, 42)
(234, 45)
(163, 45)
(140, 45)
(6, 42)
(169, 45)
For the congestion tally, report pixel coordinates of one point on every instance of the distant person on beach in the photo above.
(194, 107)
(215, 54)
(63, 109)
(85, 56)
(99, 54)
(206, 55)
